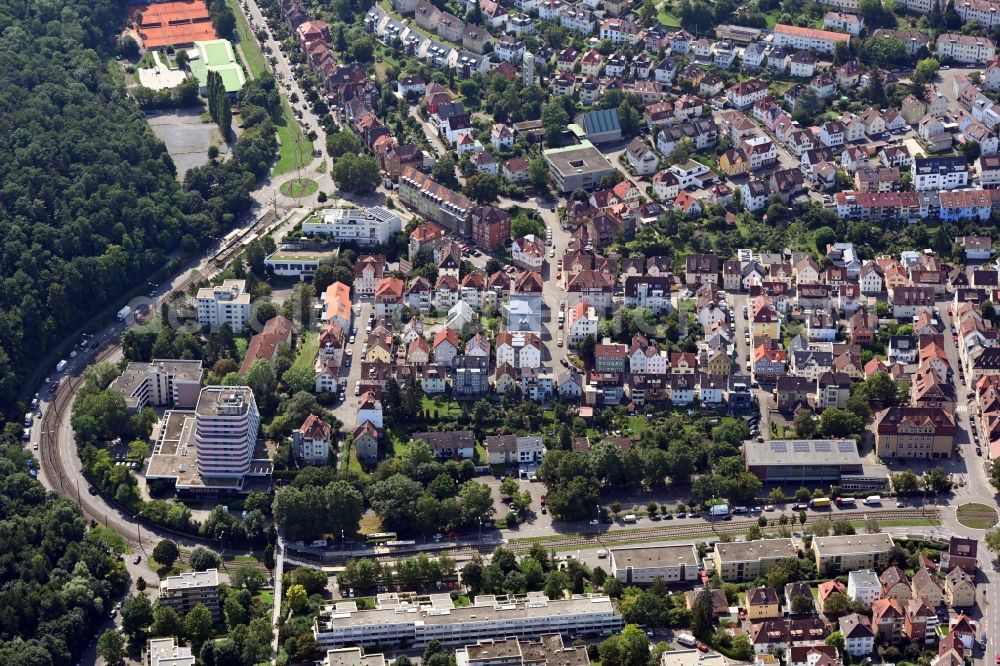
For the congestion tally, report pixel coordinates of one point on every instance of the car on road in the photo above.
(601, 554)
(137, 559)
(594, 521)
(564, 362)
(352, 339)
(552, 253)
(438, 536)
(702, 647)
(559, 342)
(694, 514)
(92, 490)
(899, 505)
(681, 514)
(768, 507)
(979, 452)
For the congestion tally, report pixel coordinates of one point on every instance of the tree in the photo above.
(166, 622)
(297, 597)
(835, 422)
(357, 174)
(836, 639)
(995, 473)
(802, 604)
(483, 187)
(313, 580)
(250, 578)
(993, 540)
(342, 143)
(926, 70)
(508, 487)
(166, 553)
(198, 624)
(234, 612)
(137, 614)
(111, 647)
(554, 120)
(905, 482)
(538, 172)
(937, 481)
(894, 557)
(804, 423)
(443, 172)
(702, 614)
(202, 559)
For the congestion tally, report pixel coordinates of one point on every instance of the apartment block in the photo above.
(436, 202)
(914, 432)
(750, 560)
(849, 552)
(166, 652)
(160, 383)
(398, 620)
(965, 49)
(643, 565)
(228, 303)
(184, 592)
(810, 39)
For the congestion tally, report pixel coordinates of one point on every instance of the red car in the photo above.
(702, 647)
(998, 658)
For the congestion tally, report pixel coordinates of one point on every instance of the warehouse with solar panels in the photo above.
(834, 461)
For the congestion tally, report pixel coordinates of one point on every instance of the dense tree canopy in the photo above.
(59, 581)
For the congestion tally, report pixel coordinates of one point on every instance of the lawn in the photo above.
(266, 597)
(901, 522)
(295, 150)
(299, 187)
(441, 409)
(353, 464)
(667, 19)
(253, 57)
(308, 348)
(977, 516)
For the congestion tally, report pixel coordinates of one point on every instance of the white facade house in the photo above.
(965, 49)
(939, 173)
(367, 226)
(228, 303)
(864, 586)
(529, 252)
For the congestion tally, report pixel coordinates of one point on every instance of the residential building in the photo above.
(762, 603)
(849, 552)
(159, 383)
(392, 623)
(228, 303)
(959, 589)
(749, 560)
(311, 441)
(187, 590)
(965, 49)
(811, 39)
(642, 565)
(166, 652)
(859, 639)
(864, 586)
(436, 202)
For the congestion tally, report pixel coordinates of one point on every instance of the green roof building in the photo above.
(216, 55)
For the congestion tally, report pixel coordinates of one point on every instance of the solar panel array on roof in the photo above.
(846, 447)
(779, 447)
(823, 447)
(801, 447)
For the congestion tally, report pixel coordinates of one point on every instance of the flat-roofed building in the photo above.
(364, 226)
(749, 560)
(548, 650)
(849, 552)
(811, 460)
(577, 166)
(166, 652)
(673, 563)
(417, 621)
(228, 303)
(159, 383)
(352, 656)
(691, 658)
(184, 592)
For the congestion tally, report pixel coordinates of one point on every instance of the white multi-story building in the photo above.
(673, 564)
(166, 652)
(923, 6)
(160, 383)
(810, 39)
(367, 226)
(226, 424)
(581, 321)
(520, 350)
(965, 48)
(228, 303)
(984, 12)
(416, 622)
(864, 586)
(939, 173)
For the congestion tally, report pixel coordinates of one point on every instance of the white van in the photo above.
(873, 500)
(687, 640)
(629, 518)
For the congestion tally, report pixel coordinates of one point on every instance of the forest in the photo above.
(58, 579)
(89, 201)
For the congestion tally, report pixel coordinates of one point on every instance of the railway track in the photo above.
(50, 456)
